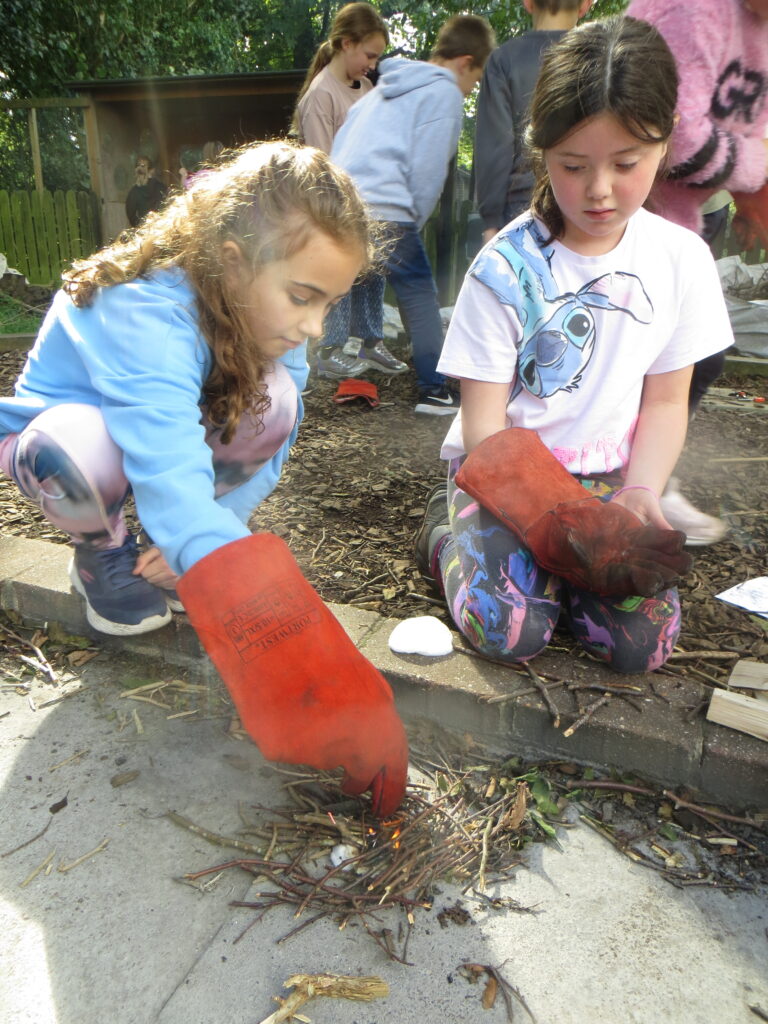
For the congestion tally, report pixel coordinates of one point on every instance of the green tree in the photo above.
(47, 46)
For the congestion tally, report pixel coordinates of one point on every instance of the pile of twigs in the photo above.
(450, 828)
(466, 824)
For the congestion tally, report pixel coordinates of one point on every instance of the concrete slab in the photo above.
(116, 938)
(462, 693)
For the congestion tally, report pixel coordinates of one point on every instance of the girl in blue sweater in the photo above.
(171, 364)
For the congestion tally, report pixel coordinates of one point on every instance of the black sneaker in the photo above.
(435, 517)
(116, 601)
(438, 403)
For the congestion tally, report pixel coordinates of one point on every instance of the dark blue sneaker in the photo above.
(116, 601)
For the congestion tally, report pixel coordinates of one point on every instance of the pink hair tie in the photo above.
(634, 487)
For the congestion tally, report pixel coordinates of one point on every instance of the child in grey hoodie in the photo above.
(397, 144)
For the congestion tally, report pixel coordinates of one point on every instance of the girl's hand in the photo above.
(153, 567)
(644, 503)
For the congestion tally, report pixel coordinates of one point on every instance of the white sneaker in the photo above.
(700, 529)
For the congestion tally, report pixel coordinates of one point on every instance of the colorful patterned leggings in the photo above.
(507, 606)
(67, 463)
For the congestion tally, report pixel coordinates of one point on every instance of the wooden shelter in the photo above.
(167, 118)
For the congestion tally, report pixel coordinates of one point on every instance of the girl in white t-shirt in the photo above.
(580, 321)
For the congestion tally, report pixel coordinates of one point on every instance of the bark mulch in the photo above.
(353, 494)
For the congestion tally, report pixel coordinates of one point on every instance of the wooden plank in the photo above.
(749, 675)
(60, 215)
(88, 229)
(51, 236)
(38, 229)
(736, 711)
(45, 102)
(7, 240)
(73, 226)
(34, 141)
(21, 218)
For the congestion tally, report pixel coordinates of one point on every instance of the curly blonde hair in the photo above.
(268, 198)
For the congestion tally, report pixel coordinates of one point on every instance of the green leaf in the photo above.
(541, 793)
(669, 831)
(545, 826)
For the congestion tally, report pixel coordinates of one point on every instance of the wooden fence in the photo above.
(42, 232)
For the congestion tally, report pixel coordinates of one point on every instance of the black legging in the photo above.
(708, 370)
(704, 373)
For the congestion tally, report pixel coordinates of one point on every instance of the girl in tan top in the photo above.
(338, 75)
(338, 78)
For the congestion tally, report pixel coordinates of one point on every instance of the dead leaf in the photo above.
(124, 777)
(77, 658)
(490, 993)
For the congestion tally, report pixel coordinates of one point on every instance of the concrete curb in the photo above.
(660, 742)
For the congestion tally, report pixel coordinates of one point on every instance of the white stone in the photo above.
(341, 853)
(423, 634)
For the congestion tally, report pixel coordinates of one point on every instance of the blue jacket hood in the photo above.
(400, 76)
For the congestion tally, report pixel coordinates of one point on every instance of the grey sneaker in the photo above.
(338, 365)
(378, 357)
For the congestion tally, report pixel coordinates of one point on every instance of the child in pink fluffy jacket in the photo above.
(721, 49)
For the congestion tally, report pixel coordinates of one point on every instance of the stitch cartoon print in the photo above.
(559, 331)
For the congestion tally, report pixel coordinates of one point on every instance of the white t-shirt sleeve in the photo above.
(481, 343)
(703, 326)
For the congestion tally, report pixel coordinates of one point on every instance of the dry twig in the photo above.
(310, 986)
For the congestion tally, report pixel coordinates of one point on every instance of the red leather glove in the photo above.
(303, 691)
(600, 547)
(349, 390)
(750, 221)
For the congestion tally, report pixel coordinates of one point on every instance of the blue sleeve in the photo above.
(435, 142)
(147, 359)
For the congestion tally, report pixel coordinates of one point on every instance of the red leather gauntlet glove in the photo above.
(303, 691)
(750, 222)
(598, 546)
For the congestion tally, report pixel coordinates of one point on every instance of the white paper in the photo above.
(752, 595)
(423, 634)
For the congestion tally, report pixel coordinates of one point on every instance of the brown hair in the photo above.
(268, 198)
(621, 66)
(354, 21)
(465, 35)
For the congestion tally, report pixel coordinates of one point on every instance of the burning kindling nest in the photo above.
(467, 823)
